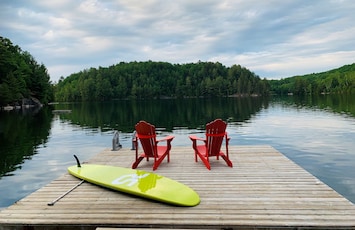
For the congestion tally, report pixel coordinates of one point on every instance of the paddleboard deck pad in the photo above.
(137, 182)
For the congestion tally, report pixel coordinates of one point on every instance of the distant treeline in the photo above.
(341, 80)
(138, 80)
(21, 76)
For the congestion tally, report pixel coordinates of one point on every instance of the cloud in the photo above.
(272, 38)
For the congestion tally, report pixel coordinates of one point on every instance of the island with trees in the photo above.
(143, 80)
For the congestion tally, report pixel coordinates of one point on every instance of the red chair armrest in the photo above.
(168, 139)
(195, 138)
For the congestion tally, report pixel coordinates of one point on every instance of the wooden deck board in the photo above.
(264, 189)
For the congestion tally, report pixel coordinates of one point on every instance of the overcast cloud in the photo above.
(272, 38)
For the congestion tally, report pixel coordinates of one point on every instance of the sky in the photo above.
(272, 38)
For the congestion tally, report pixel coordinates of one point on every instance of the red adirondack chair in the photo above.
(145, 133)
(215, 133)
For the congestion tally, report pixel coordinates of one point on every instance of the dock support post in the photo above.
(116, 142)
(134, 139)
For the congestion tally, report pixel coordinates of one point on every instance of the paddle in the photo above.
(64, 194)
(67, 192)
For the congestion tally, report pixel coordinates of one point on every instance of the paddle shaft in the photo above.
(64, 194)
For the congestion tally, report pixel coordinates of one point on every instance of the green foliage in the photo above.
(21, 76)
(341, 80)
(138, 80)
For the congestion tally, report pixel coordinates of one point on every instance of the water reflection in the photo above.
(189, 113)
(20, 135)
(343, 104)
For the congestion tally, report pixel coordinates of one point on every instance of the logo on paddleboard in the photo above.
(129, 179)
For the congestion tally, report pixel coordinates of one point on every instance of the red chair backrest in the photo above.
(147, 137)
(215, 132)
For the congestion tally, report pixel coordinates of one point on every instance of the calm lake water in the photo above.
(317, 133)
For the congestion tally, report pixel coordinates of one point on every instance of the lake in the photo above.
(318, 133)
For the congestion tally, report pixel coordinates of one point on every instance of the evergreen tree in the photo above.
(21, 76)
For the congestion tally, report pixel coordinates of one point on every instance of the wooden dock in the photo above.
(264, 190)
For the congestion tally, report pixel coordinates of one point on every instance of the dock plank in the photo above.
(263, 190)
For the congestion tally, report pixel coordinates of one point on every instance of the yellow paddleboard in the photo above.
(137, 182)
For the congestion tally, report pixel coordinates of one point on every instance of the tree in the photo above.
(21, 76)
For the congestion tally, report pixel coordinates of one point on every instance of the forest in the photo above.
(340, 80)
(142, 80)
(21, 77)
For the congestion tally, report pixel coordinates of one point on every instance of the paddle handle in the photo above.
(64, 194)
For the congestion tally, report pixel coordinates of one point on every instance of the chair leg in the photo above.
(205, 161)
(136, 163)
(207, 164)
(157, 161)
(155, 166)
(229, 163)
